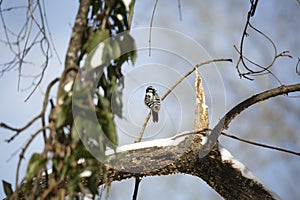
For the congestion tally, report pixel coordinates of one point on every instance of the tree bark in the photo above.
(225, 179)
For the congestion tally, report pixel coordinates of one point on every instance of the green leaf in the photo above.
(76, 130)
(116, 49)
(82, 152)
(91, 182)
(98, 37)
(128, 47)
(62, 116)
(36, 162)
(7, 188)
(106, 120)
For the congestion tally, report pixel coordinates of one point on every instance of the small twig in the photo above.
(151, 25)
(297, 65)
(24, 52)
(136, 187)
(242, 58)
(202, 132)
(260, 144)
(21, 156)
(45, 103)
(179, 10)
(18, 130)
(191, 71)
(265, 70)
(49, 33)
(143, 128)
(249, 15)
(177, 83)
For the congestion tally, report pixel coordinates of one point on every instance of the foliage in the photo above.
(97, 90)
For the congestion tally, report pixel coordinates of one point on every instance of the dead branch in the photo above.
(260, 144)
(242, 58)
(151, 25)
(21, 156)
(235, 111)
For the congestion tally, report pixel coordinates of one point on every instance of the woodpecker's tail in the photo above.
(154, 116)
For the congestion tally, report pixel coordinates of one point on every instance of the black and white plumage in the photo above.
(152, 101)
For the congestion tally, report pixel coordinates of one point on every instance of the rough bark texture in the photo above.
(221, 176)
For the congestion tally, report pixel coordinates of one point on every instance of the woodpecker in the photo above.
(152, 101)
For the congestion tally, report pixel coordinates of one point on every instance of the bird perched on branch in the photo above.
(152, 101)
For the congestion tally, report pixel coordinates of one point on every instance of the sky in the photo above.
(208, 29)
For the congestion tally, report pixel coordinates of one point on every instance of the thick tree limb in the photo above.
(75, 44)
(155, 160)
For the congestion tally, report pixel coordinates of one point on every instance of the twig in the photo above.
(235, 111)
(21, 156)
(249, 15)
(49, 33)
(191, 71)
(23, 54)
(260, 144)
(143, 128)
(151, 25)
(45, 103)
(136, 187)
(18, 130)
(242, 59)
(263, 69)
(179, 10)
(297, 65)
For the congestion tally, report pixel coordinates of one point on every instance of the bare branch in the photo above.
(297, 67)
(151, 25)
(31, 33)
(21, 156)
(136, 188)
(261, 145)
(242, 59)
(235, 111)
(179, 10)
(18, 130)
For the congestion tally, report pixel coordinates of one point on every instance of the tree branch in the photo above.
(75, 44)
(229, 116)
(181, 156)
(261, 145)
